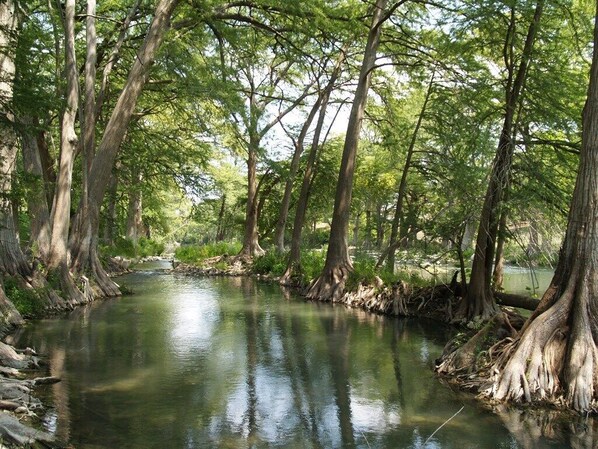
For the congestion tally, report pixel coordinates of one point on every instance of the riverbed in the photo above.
(191, 362)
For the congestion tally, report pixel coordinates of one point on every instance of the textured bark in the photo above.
(499, 260)
(479, 301)
(89, 112)
(37, 206)
(556, 356)
(12, 260)
(293, 263)
(283, 212)
(110, 221)
(134, 210)
(251, 245)
(61, 210)
(220, 227)
(84, 237)
(330, 284)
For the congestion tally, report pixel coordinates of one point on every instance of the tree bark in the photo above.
(61, 210)
(331, 283)
(84, 237)
(110, 220)
(398, 216)
(294, 260)
(293, 264)
(499, 260)
(556, 355)
(39, 213)
(220, 227)
(251, 245)
(283, 213)
(134, 218)
(479, 301)
(12, 260)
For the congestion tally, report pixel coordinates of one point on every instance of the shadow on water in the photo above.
(231, 363)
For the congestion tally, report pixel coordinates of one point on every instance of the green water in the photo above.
(230, 363)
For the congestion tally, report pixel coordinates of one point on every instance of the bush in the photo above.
(364, 272)
(127, 248)
(272, 263)
(197, 254)
(149, 247)
(312, 264)
(26, 300)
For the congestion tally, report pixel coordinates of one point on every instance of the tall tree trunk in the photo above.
(293, 264)
(331, 283)
(47, 164)
(61, 210)
(134, 219)
(84, 236)
(12, 260)
(283, 212)
(89, 111)
(479, 301)
(393, 242)
(499, 260)
(220, 227)
(37, 206)
(110, 220)
(380, 220)
(556, 355)
(251, 245)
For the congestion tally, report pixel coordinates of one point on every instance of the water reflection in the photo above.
(230, 363)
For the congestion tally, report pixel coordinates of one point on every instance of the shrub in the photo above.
(197, 254)
(149, 247)
(272, 263)
(127, 248)
(27, 301)
(312, 264)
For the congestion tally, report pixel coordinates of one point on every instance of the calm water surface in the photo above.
(230, 363)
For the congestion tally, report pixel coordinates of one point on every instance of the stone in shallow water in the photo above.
(12, 429)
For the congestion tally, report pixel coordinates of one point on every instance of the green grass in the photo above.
(127, 248)
(197, 254)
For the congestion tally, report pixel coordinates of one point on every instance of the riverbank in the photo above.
(22, 371)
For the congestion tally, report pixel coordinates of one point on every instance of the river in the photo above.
(231, 363)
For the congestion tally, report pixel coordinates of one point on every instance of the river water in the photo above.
(230, 363)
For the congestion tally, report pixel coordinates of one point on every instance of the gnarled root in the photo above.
(459, 358)
(104, 286)
(330, 286)
(555, 359)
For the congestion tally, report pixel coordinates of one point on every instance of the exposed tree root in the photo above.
(330, 286)
(464, 355)
(100, 284)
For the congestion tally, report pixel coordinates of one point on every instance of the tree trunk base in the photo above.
(102, 285)
(330, 286)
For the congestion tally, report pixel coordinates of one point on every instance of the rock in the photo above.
(12, 429)
(46, 380)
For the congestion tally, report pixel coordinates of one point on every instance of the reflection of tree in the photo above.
(398, 328)
(298, 371)
(251, 332)
(539, 428)
(338, 336)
